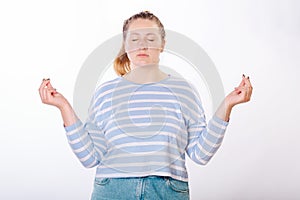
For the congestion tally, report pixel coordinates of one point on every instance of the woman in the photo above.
(143, 123)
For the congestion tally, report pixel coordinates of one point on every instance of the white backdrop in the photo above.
(259, 158)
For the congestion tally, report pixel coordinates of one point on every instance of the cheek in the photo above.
(130, 49)
(155, 52)
(127, 48)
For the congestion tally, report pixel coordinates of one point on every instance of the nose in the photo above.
(143, 44)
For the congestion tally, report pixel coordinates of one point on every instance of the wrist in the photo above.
(227, 104)
(65, 107)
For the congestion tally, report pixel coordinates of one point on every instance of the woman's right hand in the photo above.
(50, 96)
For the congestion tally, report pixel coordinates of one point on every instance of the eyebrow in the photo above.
(136, 33)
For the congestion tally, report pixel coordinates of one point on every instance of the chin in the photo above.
(142, 63)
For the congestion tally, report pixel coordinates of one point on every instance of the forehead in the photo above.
(143, 31)
(141, 24)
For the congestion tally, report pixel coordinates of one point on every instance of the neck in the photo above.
(145, 74)
(149, 67)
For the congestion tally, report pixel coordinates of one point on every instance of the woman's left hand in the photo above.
(241, 94)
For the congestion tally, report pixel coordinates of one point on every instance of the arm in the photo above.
(78, 134)
(205, 140)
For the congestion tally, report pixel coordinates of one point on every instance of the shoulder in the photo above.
(188, 95)
(104, 89)
(107, 85)
(183, 86)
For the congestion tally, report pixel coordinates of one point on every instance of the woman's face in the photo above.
(143, 43)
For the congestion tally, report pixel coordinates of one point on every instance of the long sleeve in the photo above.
(203, 139)
(87, 140)
(135, 130)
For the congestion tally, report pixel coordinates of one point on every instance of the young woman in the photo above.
(143, 123)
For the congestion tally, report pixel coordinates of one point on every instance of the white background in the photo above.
(259, 158)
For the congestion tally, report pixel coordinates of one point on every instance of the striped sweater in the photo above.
(135, 130)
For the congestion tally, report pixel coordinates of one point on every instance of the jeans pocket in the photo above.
(102, 181)
(177, 185)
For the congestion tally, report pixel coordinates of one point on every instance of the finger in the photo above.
(41, 93)
(249, 87)
(44, 83)
(237, 90)
(247, 82)
(42, 87)
(46, 90)
(53, 91)
(46, 95)
(246, 93)
(249, 95)
(249, 92)
(243, 92)
(240, 88)
(242, 83)
(49, 94)
(49, 85)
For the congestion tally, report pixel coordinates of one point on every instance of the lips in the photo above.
(142, 55)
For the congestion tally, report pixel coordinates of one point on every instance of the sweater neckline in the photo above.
(152, 83)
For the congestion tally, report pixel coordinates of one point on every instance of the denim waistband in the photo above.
(140, 188)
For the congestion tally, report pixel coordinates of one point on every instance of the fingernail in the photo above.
(248, 78)
(48, 79)
(54, 92)
(244, 75)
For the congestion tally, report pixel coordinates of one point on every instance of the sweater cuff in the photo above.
(74, 126)
(220, 121)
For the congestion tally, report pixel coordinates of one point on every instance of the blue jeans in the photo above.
(141, 188)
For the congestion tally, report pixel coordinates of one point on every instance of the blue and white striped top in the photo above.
(136, 130)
